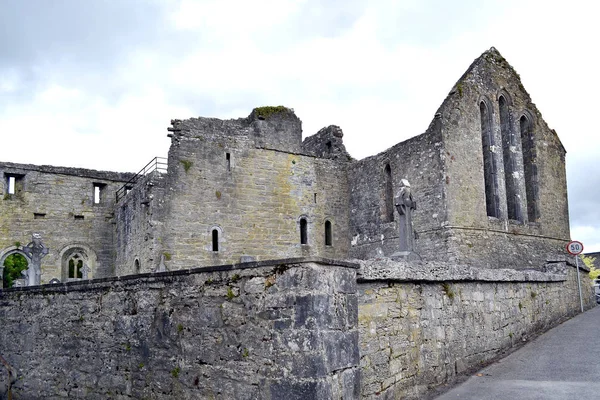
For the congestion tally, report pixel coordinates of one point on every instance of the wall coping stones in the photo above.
(80, 172)
(89, 284)
(434, 271)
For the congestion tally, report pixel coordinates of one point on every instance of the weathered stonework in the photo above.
(59, 204)
(277, 330)
(489, 228)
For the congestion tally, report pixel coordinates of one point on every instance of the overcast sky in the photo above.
(95, 83)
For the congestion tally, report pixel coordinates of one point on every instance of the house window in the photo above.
(492, 199)
(303, 231)
(328, 234)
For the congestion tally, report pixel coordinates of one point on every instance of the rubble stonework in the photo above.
(215, 277)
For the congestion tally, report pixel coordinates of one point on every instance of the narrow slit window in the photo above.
(99, 193)
(315, 198)
(39, 215)
(228, 158)
(303, 231)
(11, 185)
(389, 194)
(329, 146)
(328, 234)
(215, 240)
(137, 266)
(79, 217)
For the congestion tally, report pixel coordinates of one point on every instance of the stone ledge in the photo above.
(387, 269)
(90, 284)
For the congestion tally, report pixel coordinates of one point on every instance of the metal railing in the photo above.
(157, 164)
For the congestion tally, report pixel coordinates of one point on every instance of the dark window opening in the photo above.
(328, 234)
(492, 198)
(315, 197)
(76, 267)
(530, 168)
(39, 215)
(513, 207)
(389, 195)
(303, 231)
(228, 158)
(329, 146)
(137, 266)
(215, 240)
(79, 217)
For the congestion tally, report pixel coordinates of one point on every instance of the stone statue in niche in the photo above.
(35, 250)
(405, 204)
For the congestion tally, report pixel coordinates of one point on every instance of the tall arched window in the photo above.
(513, 206)
(328, 234)
(303, 231)
(215, 240)
(492, 199)
(136, 265)
(389, 194)
(75, 266)
(530, 168)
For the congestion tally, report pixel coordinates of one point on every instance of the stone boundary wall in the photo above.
(420, 326)
(268, 330)
(294, 329)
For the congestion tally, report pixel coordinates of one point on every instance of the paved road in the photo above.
(562, 364)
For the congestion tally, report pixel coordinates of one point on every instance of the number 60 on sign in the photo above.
(574, 247)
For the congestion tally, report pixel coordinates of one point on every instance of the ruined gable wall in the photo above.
(254, 199)
(59, 194)
(477, 238)
(418, 160)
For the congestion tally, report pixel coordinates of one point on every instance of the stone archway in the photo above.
(78, 262)
(4, 254)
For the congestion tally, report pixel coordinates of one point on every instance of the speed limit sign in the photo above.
(574, 247)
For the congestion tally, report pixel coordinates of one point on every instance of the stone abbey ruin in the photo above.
(252, 264)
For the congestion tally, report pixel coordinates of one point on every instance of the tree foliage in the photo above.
(589, 262)
(13, 265)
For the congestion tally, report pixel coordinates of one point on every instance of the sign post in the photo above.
(575, 248)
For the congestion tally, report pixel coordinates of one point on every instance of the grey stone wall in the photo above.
(327, 143)
(254, 197)
(58, 202)
(419, 161)
(139, 226)
(423, 325)
(278, 330)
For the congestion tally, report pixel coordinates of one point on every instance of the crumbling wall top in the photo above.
(81, 172)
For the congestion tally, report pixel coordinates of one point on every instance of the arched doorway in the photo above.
(12, 262)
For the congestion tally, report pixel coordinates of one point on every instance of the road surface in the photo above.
(561, 364)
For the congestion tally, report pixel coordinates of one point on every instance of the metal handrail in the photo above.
(156, 164)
